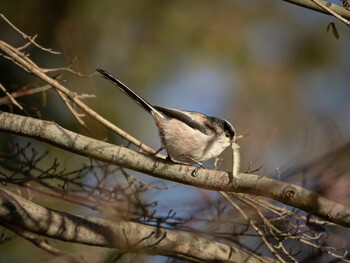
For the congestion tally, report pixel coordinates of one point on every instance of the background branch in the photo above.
(342, 11)
(126, 236)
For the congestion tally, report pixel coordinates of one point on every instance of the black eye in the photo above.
(227, 134)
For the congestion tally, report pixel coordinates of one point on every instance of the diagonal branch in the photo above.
(325, 7)
(10, 97)
(288, 194)
(342, 11)
(27, 64)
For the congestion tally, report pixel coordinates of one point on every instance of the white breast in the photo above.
(185, 144)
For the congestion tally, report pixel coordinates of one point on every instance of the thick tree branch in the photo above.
(288, 194)
(126, 236)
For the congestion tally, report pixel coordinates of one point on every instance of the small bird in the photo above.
(189, 137)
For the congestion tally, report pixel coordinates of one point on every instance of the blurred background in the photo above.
(268, 67)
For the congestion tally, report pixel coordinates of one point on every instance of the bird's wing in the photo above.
(193, 119)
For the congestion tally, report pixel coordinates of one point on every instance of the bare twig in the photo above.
(26, 92)
(31, 39)
(73, 111)
(67, 69)
(10, 97)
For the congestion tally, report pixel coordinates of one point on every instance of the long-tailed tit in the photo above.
(188, 136)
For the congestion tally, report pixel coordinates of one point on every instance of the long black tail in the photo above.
(139, 100)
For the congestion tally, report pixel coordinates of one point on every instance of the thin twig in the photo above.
(11, 98)
(73, 111)
(23, 93)
(70, 71)
(31, 39)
